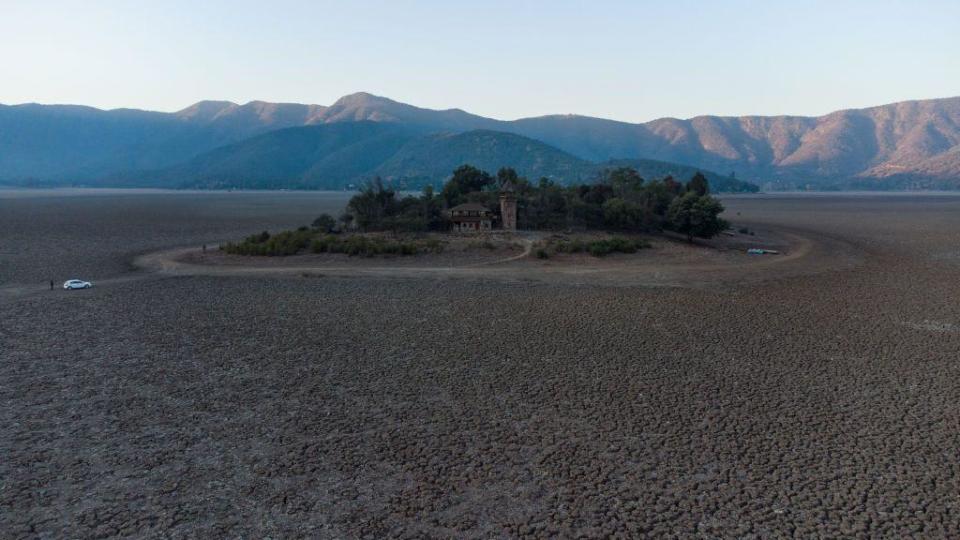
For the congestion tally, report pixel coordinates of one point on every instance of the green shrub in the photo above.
(367, 246)
(293, 242)
(280, 244)
(320, 245)
(599, 248)
(574, 246)
(433, 245)
(542, 254)
(325, 223)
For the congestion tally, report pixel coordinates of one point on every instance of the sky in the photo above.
(626, 60)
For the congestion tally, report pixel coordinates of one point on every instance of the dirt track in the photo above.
(816, 398)
(669, 263)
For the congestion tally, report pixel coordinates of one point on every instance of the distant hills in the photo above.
(913, 144)
(344, 154)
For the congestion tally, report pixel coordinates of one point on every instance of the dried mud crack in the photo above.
(816, 397)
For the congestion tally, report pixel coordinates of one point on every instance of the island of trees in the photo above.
(620, 200)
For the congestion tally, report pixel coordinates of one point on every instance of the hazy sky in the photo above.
(627, 60)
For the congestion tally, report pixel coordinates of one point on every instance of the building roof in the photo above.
(470, 207)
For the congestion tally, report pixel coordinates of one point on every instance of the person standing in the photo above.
(51, 284)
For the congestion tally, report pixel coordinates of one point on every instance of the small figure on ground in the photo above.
(51, 284)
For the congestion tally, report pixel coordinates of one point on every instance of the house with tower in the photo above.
(476, 218)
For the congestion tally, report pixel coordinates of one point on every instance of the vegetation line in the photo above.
(621, 201)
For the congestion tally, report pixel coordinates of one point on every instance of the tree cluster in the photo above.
(619, 200)
(378, 208)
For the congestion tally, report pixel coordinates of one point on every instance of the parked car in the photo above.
(76, 284)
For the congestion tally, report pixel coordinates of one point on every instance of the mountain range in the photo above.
(914, 144)
(344, 154)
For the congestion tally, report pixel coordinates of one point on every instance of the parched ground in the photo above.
(666, 260)
(820, 400)
(62, 234)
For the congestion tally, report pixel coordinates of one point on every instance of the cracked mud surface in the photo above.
(810, 404)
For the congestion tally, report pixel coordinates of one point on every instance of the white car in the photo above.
(76, 284)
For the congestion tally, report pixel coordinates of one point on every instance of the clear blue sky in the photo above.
(629, 60)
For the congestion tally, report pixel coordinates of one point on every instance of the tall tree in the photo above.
(431, 209)
(696, 216)
(625, 181)
(507, 174)
(698, 184)
(374, 202)
(674, 187)
(466, 179)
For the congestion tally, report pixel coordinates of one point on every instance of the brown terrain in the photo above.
(813, 393)
(669, 261)
(912, 144)
(913, 137)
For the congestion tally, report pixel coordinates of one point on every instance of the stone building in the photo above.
(508, 206)
(471, 218)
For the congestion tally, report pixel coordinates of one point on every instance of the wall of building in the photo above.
(508, 213)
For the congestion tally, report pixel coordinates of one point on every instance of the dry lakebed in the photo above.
(680, 392)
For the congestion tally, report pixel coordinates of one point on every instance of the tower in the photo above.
(508, 206)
